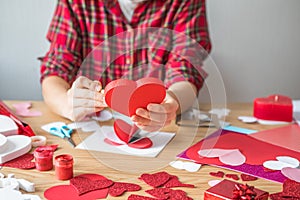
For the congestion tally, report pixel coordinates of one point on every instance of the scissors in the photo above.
(64, 132)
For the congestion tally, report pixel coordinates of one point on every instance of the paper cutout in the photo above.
(119, 188)
(281, 162)
(125, 96)
(246, 177)
(174, 182)
(7, 193)
(232, 176)
(84, 185)
(96, 142)
(227, 156)
(63, 192)
(102, 116)
(286, 137)
(17, 145)
(212, 183)
(219, 174)
(21, 162)
(139, 197)
(291, 173)
(3, 143)
(7, 126)
(156, 179)
(188, 166)
(23, 109)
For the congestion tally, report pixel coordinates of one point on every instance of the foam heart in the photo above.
(281, 162)
(7, 126)
(119, 188)
(17, 146)
(188, 166)
(22, 162)
(291, 173)
(156, 179)
(125, 96)
(231, 157)
(84, 185)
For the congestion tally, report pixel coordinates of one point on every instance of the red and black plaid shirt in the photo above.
(165, 38)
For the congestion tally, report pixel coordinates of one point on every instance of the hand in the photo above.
(84, 98)
(157, 115)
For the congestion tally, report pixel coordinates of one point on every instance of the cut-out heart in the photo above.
(84, 185)
(231, 157)
(63, 192)
(167, 193)
(23, 109)
(281, 162)
(246, 177)
(233, 176)
(7, 126)
(119, 188)
(139, 197)
(123, 130)
(188, 166)
(17, 145)
(22, 162)
(125, 96)
(174, 182)
(156, 179)
(291, 173)
(219, 174)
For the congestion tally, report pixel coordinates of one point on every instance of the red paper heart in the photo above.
(139, 197)
(246, 177)
(84, 185)
(233, 176)
(274, 107)
(63, 192)
(167, 193)
(219, 174)
(174, 182)
(118, 188)
(291, 188)
(22, 162)
(123, 130)
(125, 96)
(156, 179)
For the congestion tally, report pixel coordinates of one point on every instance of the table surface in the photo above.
(117, 167)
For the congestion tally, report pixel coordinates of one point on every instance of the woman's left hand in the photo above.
(156, 116)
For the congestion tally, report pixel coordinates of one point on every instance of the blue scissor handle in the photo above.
(67, 131)
(57, 132)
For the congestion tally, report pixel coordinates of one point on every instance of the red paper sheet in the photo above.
(287, 136)
(256, 151)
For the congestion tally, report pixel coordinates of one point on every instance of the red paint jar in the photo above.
(43, 159)
(63, 167)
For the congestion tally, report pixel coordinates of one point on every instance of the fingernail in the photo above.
(98, 88)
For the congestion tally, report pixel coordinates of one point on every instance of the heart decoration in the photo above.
(281, 162)
(188, 166)
(8, 126)
(22, 162)
(231, 157)
(156, 179)
(125, 96)
(167, 193)
(291, 173)
(23, 109)
(118, 188)
(122, 135)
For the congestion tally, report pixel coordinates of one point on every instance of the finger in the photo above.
(88, 103)
(157, 117)
(81, 112)
(84, 82)
(160, 108)
(87, 94)
(146, 122)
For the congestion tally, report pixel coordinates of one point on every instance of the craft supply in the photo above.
(17, 146)
(7, 126)
(63, 132)
(119, 188)
(3, 143)
(21, 162)
(38, 140)
(26, 185)
(227, 189)
(63, 167)
(275, 107)
(43, 159)
(23, 109)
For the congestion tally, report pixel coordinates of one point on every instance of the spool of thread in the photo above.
(63, 167)
(43, 159)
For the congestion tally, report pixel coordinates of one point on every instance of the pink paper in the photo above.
(291, 173)
(231, 157)
(286, 136)
(23, 109)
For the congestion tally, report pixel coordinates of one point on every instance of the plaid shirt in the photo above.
(165, 38)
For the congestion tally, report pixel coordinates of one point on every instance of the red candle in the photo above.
(43, 159)
(64, 167)
(275, 107)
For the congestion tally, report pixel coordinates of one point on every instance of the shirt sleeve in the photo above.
(64, 57)
(190, 46)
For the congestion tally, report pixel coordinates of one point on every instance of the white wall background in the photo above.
(256, 47)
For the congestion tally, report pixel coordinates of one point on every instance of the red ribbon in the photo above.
(244, 192)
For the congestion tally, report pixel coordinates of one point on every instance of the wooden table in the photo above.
(85, 162)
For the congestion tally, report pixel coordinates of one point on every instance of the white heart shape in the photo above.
(234, 158)
(17, 146)
(191, 167)
(291, 173)
(8, 126)
(177, 164)
(212, 153)
(281, 162)
(247, 119)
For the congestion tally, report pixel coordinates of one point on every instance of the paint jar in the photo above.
(43, 159)
(63, 167)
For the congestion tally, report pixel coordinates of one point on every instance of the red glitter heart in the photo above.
(22, 162)
(156, 179)
(233, 176)
(84, 185)
(167, 193)
(246, 177)
(139, 197)
(174, 182)
(118, 188)
(219, 174)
